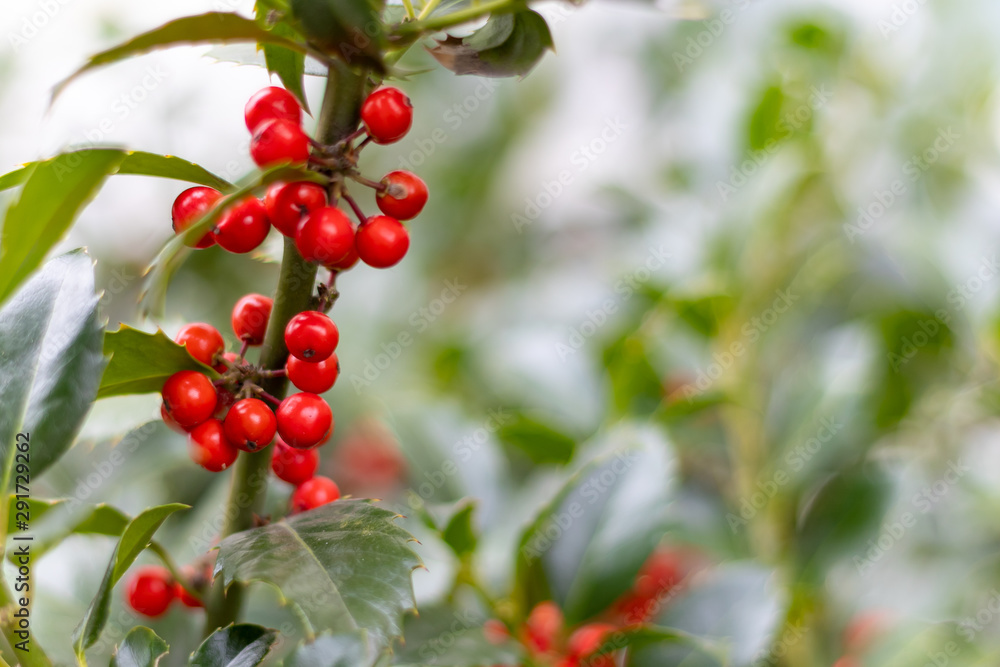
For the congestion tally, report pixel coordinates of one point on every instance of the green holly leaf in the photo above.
(460, 532)
(350, 29)
(239, 645)
(135, 538)
(343, 650)
(288, 65)
(141, 362)
(141, 648)
(508, 45)
(345, 565)
(542, 443)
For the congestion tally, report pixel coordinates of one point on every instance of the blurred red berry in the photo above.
(294, 466)
(542, 632)
(250, 316)
(314, 493)
(150, 590)
(209, 447)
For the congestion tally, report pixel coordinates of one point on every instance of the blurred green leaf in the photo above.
(64, 520)
(344, 650)
(350, 29)
(508, 45)
(290, 66)
(141, 362)
(448, 636)
(345, 565)
(238, 645)
(460, 533)
(135, 538)
(140, 648)
(635, 385)
(765, 127)
(50, 363)
(542, 443)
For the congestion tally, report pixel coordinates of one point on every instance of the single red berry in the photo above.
(189, 397)
(325, 236)
(150, 590)
(231, 357)
(277, 141)
(189, 207)
(186, 598)
(387, 115)
(288, 203)
(250, 424)
(313, 493)
(169, 421)
(243, 226)
(209, 447)
(313, 377)
(311, 336)
(588, 639)
(304, 420)
(543, 628)
(294, 466)
(203, 341)
(404, 196)
(271, 103)
(349, 260)
(382, 241)
(250, 316)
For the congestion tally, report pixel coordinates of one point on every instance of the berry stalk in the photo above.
(339, 117)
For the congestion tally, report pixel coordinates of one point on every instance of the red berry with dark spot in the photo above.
(404, 196)
(311, 336)
(387, 115)
(304, 420)
(288, 203)
(250, 316)
(250, 424)
(382, 241)
(150, 590)
(294, 466)
(169, 421)
(203, 341)
(269, 104)
(277, 141)
(314, 493)
(243, 227)
(209, 447)
(326, 236)
(313, 377)
(189, 398)
(189, 207)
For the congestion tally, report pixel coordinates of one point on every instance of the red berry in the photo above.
(382, 241)
(277, 141)
(311, 336)
(186, 598)
(189, 207)
(270, 103)
(231, 357)
(588, 639)
(250, 316)
(288, 203)
(294, 466)
(349, 260)
(189, 397)
(326, 236)
(243, 226)
(209, 447)
(225, 400)
(304, 420)
(387, 115)
(314, 493)
(250, 424)
(313, 377)
(404, 195)
(543, 628)
(150, 590)
(169, 421)
(203, 341)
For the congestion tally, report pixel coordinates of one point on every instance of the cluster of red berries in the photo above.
(151, 589)
(306, 211)
(543, 634)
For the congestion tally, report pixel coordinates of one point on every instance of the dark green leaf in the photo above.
(141, 362)
(290, 66)
(50, 361)
(345, 565)
(239, 645)
(345, 650)
(53, 194)
(210, 28)
(460, 533)
(140, 648)
(135, 538)
(508, 45)
(542, 443)
(350, 29)
(636, 387)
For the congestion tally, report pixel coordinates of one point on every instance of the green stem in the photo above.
(472, 13)
(428, 8)
(339, 117)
